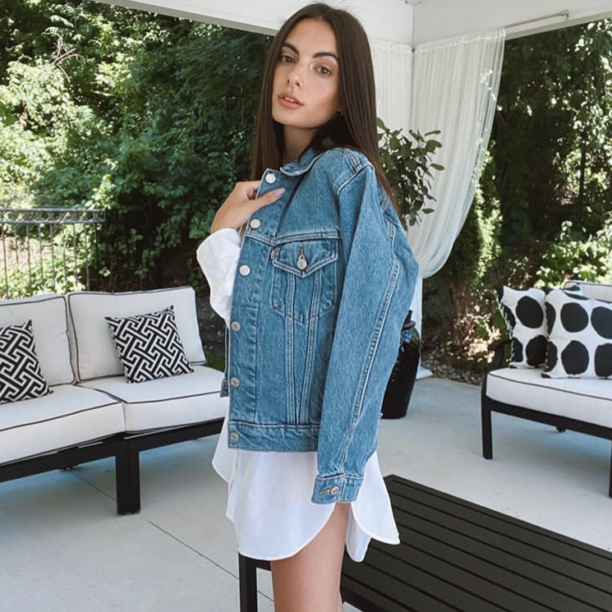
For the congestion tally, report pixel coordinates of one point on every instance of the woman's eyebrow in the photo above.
(319, 54)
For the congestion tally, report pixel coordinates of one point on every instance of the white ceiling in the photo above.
(411, 22)
(438, 19)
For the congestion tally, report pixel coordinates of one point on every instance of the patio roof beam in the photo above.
(389, 20)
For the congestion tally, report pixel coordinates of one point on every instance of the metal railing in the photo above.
(49, 250)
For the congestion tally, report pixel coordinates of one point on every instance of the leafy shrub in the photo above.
(574, 255)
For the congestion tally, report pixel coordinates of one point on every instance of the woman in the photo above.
(314, 291)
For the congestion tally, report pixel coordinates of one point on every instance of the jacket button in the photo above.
(235, 325)
(245, 270)
(334, 490)
(235, 382)
(255, 223)
(234, 437)
(270, 178)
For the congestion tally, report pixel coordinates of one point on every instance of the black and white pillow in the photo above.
(580, 337)
(523, 311)
(20, 374)
(149, 345)
(525, 316)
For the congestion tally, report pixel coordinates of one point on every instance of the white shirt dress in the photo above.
(269, 491)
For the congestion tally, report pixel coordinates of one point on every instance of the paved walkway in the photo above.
(63, 548)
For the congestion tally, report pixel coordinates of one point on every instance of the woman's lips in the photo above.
(288, 103)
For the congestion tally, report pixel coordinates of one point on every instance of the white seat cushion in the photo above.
(96, 354)
(69, 416)
(167, 402)
(49, 317)
(583, 399)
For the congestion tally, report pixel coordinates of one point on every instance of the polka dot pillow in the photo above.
(580, 337)
(525, 316)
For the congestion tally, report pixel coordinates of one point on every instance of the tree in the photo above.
(148, 117)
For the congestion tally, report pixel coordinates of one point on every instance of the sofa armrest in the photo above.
(499, 346)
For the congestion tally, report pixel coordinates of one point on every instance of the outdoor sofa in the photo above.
(574, 403)
(92, 411)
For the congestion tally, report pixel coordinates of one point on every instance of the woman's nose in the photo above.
(294, 77)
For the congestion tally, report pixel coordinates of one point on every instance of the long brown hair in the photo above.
(356, 127)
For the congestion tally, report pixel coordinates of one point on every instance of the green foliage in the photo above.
(148, 117)
(542, 213)
(37, 264)
(552, 134)
(573, 255)
(407, 165)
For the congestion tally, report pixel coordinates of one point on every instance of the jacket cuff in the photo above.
(336, 489)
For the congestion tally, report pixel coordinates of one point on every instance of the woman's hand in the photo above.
(241, 204)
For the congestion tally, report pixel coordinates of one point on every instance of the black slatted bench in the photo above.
(456, 556)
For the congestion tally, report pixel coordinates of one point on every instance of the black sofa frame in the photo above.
(124, 447)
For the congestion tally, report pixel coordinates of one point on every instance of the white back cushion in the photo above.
(50, 326)
(594, 290)
(94, 348)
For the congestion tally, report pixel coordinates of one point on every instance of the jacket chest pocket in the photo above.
(304, 278)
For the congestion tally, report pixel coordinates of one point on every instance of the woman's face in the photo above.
(305, 92)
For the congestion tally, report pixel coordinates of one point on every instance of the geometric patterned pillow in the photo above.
(580, 337)
(525, 316)
(149, 346)
(20, 374)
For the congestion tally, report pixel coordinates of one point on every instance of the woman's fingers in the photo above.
(269, 197)
(242, 203)
(264, 200)
(249, 188)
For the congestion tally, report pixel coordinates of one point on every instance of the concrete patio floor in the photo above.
(63, 548)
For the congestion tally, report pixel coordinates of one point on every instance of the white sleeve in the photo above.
(218, 257)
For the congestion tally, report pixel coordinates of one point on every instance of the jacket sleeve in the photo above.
(379, 279)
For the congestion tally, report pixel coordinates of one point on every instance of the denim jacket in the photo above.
(323, 283)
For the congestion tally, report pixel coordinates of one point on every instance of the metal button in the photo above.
(270, 178)
(234, 437)
(245, 270)
(236, 325)
(334, 490)
(302, 262)
(255, 223)
(235, 382)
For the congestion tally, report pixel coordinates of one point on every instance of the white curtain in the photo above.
(454, 89)
(452, 86)
(393, 74)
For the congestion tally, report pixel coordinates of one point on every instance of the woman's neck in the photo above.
(296, 141)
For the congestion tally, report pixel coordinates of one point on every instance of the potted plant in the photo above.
(407, 164)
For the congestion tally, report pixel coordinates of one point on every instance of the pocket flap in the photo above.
(303, 257)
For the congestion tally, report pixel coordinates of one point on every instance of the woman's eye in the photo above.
(285, 58)
(324, 70)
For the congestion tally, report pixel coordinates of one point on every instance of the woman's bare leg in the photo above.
(310, 580)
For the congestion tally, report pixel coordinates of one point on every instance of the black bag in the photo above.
(403, 375)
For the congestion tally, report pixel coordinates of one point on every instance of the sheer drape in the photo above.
(454, 89)
(452, 86)
(393, 74)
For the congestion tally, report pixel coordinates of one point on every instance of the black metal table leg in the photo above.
(247, 571)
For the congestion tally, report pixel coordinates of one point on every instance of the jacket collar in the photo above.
(303, 163)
